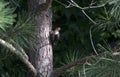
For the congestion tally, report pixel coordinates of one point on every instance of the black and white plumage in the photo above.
(55, 35)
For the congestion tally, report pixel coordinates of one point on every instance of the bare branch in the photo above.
(72, 3)
(85, 8)
(62, 3)
(92, 42)
(89, 17)
(17, 53)
(93, 7)
(92, 3)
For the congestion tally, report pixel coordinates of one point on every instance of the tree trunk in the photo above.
(43, 55)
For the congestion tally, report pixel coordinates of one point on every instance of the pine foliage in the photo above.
(6, 15)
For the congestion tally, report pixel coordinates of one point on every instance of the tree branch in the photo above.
(93, 7)
(88, 17)
(91, 40)
(20, 49)
(72, 3)
(88, 59)
(17, 53)
(60, 70)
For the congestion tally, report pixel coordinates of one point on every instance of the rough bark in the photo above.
(41, 10)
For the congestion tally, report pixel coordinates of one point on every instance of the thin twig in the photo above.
(85, 8)
(74, 4)
(61, 3)
(92, 3)
(93, 7)
(70, 4)
(84, 70)
(92, 42)
(89, 17)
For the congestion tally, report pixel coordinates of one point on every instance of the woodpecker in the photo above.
(55, 35)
